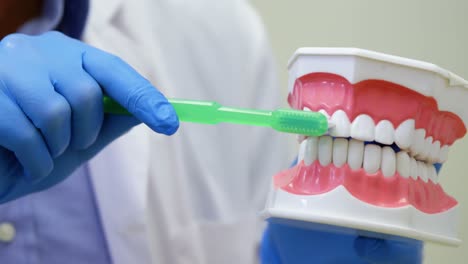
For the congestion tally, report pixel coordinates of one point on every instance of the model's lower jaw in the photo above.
(384, 147)
(375, 188)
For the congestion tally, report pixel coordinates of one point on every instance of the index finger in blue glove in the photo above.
(380, 251)
(131, 90)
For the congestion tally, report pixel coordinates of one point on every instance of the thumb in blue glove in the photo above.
(51, 113)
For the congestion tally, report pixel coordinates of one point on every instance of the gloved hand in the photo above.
(51, 112)
(286, 244)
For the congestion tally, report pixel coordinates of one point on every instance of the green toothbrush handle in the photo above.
(284, 120)
(202, 112)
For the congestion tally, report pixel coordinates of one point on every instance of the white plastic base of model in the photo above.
(355, 65)
(340, 208)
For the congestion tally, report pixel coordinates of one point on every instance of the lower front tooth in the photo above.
(388, 162)
(372, 158)
(422, 173)
(413, 169)
(403, 164)
(432, 174)
(355, 154)
(340, 151)
(310, 153)
(325, 148)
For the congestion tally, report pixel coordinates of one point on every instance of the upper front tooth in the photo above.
(355, 153)
(388, 162)
(372, 158)
(404, 134)
(418, 142)
(325, 148)
(403, 164)
(363, 128)
(340, 151)
(323, 112)
(342, 124)
(308, 150)
(384, 132)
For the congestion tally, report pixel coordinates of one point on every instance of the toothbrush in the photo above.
(284, 120)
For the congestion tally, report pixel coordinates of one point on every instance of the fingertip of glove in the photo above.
(166, 119)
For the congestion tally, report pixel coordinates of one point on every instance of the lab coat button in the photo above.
(7, 232)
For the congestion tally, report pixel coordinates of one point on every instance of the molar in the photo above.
(434, 152)
(443, 154)
(363, 128)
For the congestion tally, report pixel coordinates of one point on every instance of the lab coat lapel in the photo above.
(120, 172)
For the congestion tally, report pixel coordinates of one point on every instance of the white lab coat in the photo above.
(193, 197)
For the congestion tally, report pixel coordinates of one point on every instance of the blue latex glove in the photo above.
(51, 112)
(286, 244)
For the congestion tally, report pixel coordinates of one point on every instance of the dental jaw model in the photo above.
(395, 120)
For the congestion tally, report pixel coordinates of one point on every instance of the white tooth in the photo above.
(300, 138)
(340, 151)
(384, 132)
(323, 112)
(325, 148)
(417, 147)
(404, 134)
(372, 158)
(422, 173)
(355, 154)
(308, 150)
(432, 174)
(424, 154)
(434, 152)
(302, 150)
(388, 162)
(305, 108)
(413, 169)
(342, 124)
(403, 164)
(443, 154)
(363, 128)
